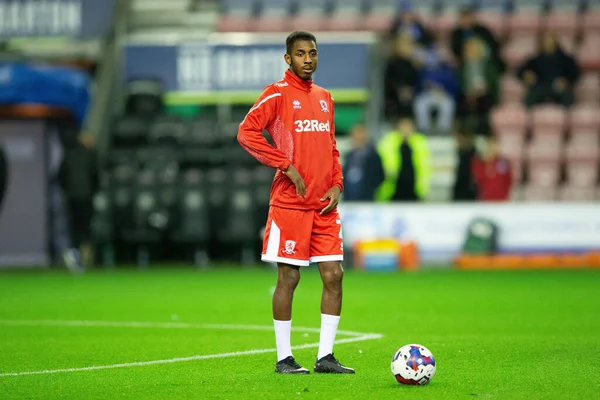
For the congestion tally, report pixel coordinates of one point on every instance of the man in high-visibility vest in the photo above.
(406, 162)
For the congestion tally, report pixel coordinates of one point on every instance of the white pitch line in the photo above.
(163, 325)
(183, 359)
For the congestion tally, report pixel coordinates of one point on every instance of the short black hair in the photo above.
(295, 36)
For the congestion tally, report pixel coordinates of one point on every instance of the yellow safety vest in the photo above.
(389, 151)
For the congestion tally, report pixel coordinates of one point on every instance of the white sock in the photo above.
(283, 331)
(329, 325)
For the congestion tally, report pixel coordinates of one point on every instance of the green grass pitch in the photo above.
(500, 334)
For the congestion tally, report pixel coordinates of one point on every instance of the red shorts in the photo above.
(299, 237)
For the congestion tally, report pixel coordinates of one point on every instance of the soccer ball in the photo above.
(413, 364)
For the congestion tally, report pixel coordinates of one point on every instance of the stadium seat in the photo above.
(578, 150)
(202, 133)
(582, 173)
(577, 194)
(509, 116)
(191, 226)
(530, 6)
(163, 163)
(130, 131)
(310, 15)
(585, 136)
(565, 24)
(533, 193)
(494, 6)
(236, 16)
(168, 131)
(512, 90)
(545, 148)
(154, 196)
(588, 55)
(150, 218)
(122, 178)
(218, 185)
(381, 15)
(516, 166)
(511, 144)
(495, 22)
(572, 6)
(442, 26)
(262, 181)
(144, 98)
(587, 89)
(347, 15)
(523, 24)
(543, 173)
(274, 15)
(426, 8)
(591, 22)
(102, 226)
(519, 49)
(584, 117)
(238, 227)
(549, 120)
(235, 155)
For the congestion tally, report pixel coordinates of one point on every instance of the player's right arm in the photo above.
(250, 137)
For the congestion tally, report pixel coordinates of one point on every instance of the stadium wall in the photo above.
(440, 230)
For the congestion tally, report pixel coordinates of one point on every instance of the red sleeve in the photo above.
(258, 119)
(337, 176)
(477, 170)
(509, 179)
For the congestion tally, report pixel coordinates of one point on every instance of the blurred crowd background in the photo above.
(439, 101)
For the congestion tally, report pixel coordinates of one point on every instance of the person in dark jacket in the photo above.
(550, 75)
(468, 28)
(480, 81)
(407, 23)
(438, 88)
(464, 188)
(363, 171)
(401, 79)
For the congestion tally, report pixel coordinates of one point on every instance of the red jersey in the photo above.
(299, 117)
(493, 178)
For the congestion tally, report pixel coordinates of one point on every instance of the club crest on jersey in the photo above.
(290, 245)
(324, 106)
(297, 105)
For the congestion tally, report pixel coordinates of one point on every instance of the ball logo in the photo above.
(312, 125)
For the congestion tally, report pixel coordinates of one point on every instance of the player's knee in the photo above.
(289, 279)
(333, 275)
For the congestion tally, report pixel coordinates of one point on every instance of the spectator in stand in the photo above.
(480, 81)
(363, 171)
(549, 75)
(406, 163)
(468, 28)
(407, 23)
(401, 74)
(438, 87)
(465, 188)
(492, 174)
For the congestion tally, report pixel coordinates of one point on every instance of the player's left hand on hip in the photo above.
(333, 195)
